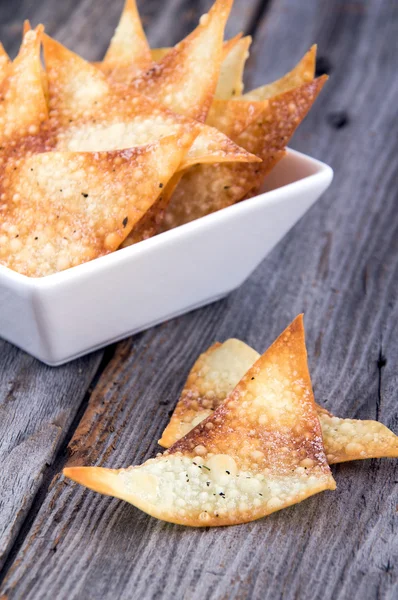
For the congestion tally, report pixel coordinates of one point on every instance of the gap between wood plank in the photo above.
(56, 466)
(257, 17)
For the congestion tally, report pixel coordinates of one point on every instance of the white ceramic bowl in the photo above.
(62, 316)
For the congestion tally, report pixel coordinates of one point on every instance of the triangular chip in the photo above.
(212, 378)
(186, 78)
(303, 72)
(230, 80)
(259, 452)
(60, 209)
(107, 119)
(150, 223)
(4, 63)
(43, 75)
(158, 53)
(233, 117)
(23, 106)
(216, 373)
(205, 189)
(354, 439)
(75, 86)
(129, 51)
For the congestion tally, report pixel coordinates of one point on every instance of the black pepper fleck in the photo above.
(125, 221)
(84, 195)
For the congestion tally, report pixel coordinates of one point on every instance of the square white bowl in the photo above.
(68, 314)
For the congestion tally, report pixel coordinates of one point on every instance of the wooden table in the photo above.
(339, 265)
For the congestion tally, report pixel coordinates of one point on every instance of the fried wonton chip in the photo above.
(213, 377)
(129, 51)
(23, 106)
(60, 209)
(303, 72)
(354, 439)
(4, 62)
(150, 223)
(230, 80)
(186, 78)
(233, 117)
(259, 452)
(105, 119)
(205, 189)
(43, 75)
(216, 373)
(158, 53)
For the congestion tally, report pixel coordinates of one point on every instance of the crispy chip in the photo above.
(230, 80)
(151, 221)
(354, 439)
(205, 189)
(22, 88)
(60, 209)
(4, 63)
(43, 75)
(213, 377)
(303, 72)
(259, 452)
(109, 120)
(233, 117)
(129, 52)
(216, 373)
(179, 80)
(158, 53)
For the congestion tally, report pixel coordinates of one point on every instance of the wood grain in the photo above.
(339, 265)
(38, 404)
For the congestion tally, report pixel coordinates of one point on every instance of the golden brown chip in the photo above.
(230, 80)
(213, 377)
(151, 221)
(233, 117)
(158, 53)
(216, 373)
(205, 189)
(110, 120)
(129, 51)
(60, 209)
(354, 439)
(303, 72)
(259, 452)
(4, 62)
(23, 106)
(186, 78)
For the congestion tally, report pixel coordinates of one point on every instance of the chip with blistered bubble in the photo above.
(259, 452)
(303, 72)
(206, 189)
(216, 373)
(179, 80)
(4, 62)
(61, 209)
(128, 51)
(20, 88)
(105, 119)
(230, 79)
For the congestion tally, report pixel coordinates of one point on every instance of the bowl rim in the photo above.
(322, 170)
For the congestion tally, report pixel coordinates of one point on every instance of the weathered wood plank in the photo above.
(38, 404)
(339, 265)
